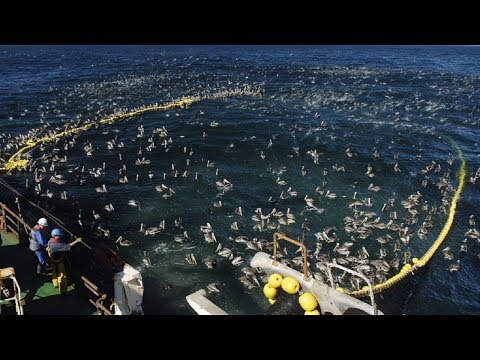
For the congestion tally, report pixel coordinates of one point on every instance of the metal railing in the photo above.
(369, 284)
(9, 273)
(295, 242)
(11, 221)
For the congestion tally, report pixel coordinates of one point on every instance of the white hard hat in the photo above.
(42, 221)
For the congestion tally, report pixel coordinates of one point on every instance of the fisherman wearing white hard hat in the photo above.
(38, 244)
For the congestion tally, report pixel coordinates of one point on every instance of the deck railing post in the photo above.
(2, 218)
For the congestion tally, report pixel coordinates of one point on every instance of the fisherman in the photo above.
(38, 244)
(56, 250)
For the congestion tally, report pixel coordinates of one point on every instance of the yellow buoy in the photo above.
(269, 291)
(307, 301)
(275, 280)
(290, 285)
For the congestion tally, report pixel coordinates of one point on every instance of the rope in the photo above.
(408, 269)
(20, 214)
(56, 220)
(15, 162)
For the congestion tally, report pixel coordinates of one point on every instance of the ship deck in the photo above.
(39, 295)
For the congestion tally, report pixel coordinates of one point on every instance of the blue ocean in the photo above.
(354, 150)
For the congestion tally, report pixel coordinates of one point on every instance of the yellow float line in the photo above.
(15, 162)
(408, 269)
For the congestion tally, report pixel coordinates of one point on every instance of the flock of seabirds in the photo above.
(377, 234)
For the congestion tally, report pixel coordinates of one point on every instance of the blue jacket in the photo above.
(37, 240)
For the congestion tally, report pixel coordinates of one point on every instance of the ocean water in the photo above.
(318, 119)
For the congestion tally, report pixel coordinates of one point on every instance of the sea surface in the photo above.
(287, 127)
